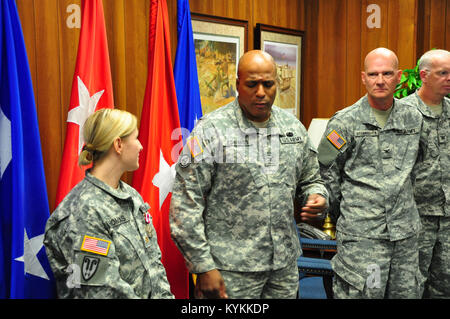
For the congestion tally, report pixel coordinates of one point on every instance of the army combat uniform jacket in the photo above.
(367, 170)
(99, 244)
(233, 195)
(432, 175)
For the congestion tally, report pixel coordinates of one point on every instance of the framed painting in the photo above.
(285, 46)
(219, 43)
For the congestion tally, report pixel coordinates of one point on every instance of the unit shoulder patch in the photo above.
(89, 267)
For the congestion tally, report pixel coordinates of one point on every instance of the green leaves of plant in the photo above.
(409, 82)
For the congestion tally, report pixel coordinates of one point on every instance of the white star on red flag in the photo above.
(79, 114)
(164, 179)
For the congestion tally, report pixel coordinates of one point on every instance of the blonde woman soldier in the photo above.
(100, 240)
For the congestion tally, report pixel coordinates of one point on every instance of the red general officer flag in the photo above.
(91, 90)
(159, 122)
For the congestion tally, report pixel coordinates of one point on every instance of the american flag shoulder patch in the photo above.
(95, 245)
(335, 139)
(194, 146)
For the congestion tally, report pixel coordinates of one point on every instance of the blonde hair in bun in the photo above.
(101, 129)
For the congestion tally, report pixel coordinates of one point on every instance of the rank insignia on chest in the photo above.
(194, 146)
(95, 245)
(335, 139)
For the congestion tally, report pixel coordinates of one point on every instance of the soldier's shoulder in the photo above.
(222, 112)
(409, 105)
(409, 102)
(412, 98)
(345, 121)
(284, 113)
(83, 198)
(288, 119)
(71, 199)
(216, 121)
(345, 115)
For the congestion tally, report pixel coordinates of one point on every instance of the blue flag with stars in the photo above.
(24, 210)
(185, 71)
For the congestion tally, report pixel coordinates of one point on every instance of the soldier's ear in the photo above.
(363, 77)
(423, 75)
(118, 145)
(399, 75)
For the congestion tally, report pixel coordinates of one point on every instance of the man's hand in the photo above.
(210, 285)
(313, 208)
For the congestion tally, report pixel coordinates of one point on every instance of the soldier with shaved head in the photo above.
(366, 156)
(232, 213)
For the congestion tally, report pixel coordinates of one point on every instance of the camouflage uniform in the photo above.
(432, 194)
(367, 170)
(99, 245)
(232, 200)
(273, 284)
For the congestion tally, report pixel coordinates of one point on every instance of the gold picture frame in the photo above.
(286, 47)
(219, 43)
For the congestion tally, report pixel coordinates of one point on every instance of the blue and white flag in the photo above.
(185, 71)
(24, 210)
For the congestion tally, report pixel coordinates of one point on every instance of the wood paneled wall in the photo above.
(343, 40)
(433, 25)
(336, 40)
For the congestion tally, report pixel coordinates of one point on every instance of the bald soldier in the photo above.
(232, 213)
(432, 177)
(366, 156)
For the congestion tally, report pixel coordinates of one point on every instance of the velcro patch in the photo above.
(194, 146)
(290, 139)
(335, 139)
(95, 245)
(116, 221)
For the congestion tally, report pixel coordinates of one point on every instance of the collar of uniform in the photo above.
(366, 115)
(118, 193)
(395, 120)
(248, 128)
(424, 109)
(446, 107)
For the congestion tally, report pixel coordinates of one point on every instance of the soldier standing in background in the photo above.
(432, 175)
(366, 156)
(232, 213)
(100, 240)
